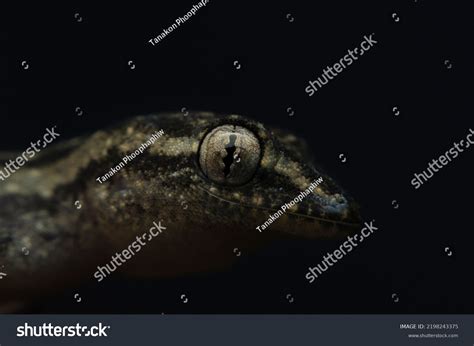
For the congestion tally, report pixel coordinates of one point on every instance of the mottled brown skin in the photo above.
(204, 220)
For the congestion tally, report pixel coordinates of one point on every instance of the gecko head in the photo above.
(229, 172)
(269, 177)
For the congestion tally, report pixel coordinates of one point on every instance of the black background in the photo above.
(85, 64)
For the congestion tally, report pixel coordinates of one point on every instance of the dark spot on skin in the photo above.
(4, 239)
(229, 159)
(48, 236)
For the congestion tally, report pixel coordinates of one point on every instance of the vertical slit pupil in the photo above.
(229, 159)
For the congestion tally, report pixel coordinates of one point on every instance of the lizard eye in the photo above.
(230, 155)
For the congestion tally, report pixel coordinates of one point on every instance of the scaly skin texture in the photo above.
(204, 220)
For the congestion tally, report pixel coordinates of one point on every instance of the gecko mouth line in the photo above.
(303, 216)
(286, 206)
